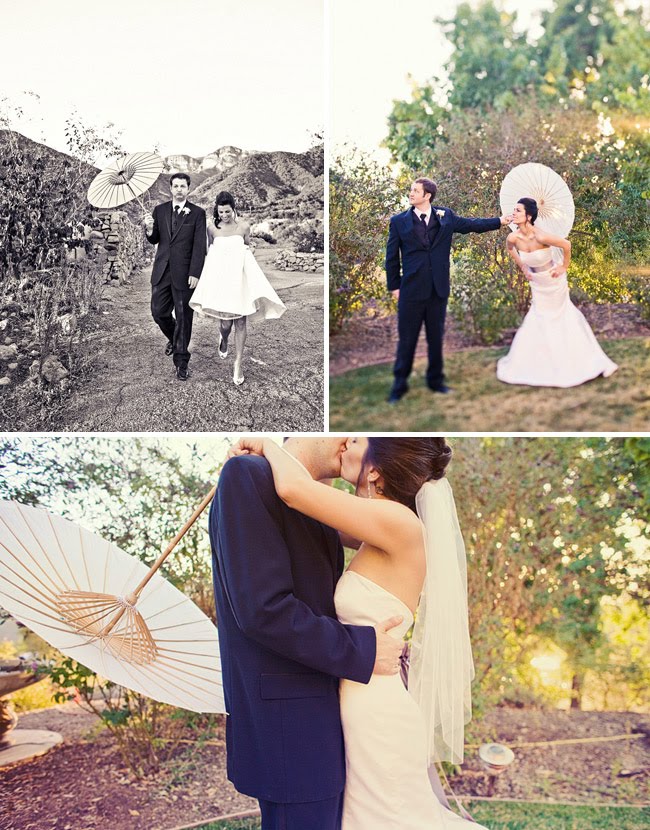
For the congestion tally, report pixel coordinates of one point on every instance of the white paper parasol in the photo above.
(107, 610)
(550, 191)
(125, 179)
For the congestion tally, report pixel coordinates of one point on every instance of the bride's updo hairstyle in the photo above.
(405, 464)
(530, 206)
(223, 198)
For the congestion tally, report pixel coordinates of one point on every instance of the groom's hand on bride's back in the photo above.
(389, 649)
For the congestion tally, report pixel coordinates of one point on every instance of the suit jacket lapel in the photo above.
(438, 235)
(407, 224)
(166, 208)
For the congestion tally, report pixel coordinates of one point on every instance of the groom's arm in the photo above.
(199, 245)
(154, 236)
(246, 526)
(393, 264)
(463, 225)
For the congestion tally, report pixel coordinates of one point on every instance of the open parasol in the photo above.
(125, 179)
(550, 191)
(107, 610)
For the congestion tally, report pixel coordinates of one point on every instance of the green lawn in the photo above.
(514, 816)
(481, 403)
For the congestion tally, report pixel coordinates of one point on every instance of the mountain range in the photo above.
(266, 184)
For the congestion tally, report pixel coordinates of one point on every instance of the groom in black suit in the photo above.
(282, 647)
(417, 273)
(178, 228)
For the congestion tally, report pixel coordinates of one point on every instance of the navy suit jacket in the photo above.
(282, 648)
(184, 251)
(425, 267)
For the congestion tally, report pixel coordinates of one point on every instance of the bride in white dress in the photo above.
(232, 287)
(411, 557)
(554, 345)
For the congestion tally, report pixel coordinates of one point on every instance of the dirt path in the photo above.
(133, 387)
(83, 784)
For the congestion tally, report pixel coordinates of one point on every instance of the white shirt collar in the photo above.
(419, 213)
(181, 206)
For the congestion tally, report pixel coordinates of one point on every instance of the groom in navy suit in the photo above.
(417, 273)
(282, 647)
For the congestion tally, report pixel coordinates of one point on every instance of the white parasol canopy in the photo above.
(550, 191)
(107, 610)
(125, 179)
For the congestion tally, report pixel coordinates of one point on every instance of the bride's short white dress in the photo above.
(232, 284)
(387, 783)
(554, 345)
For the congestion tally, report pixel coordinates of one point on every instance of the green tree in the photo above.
(363, 196)
(549, 526)
(492, 63)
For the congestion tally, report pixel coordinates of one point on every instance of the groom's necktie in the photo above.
(423, 229)
(175, 214)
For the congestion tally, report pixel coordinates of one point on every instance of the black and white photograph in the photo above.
(161, 216)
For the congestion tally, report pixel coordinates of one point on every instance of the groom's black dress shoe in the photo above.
(169, 348)
(396, 396)
(182, 372)
(442, 389)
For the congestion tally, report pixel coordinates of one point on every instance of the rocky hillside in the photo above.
(264, 181)
(281, 186)
(218, 162)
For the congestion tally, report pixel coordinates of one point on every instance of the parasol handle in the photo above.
(137, 198)
(132, 598)
(170, 547)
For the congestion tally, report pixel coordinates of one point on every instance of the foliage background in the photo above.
(576, 99)
(556, 529)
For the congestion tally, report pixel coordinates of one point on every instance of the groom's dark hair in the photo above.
(179, 176)
(429, 186)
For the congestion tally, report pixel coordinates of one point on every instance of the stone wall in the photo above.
(287, 260)
(123, 243)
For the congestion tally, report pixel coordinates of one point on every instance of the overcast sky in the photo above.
(376, 44)
(188, 75)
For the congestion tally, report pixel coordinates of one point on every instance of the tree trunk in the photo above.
(576, 691)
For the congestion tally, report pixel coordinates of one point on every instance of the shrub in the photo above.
(147, 732)
(363, 195)
(483, 302)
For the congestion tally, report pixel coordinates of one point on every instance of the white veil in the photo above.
(442, 669)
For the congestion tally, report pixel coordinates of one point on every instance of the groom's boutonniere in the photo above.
(440, 214)
(185, 210)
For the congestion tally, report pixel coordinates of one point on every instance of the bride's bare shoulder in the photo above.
(401, 517)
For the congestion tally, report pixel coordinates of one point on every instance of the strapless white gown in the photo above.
(554, 345)
(387, 783)
(232, 284)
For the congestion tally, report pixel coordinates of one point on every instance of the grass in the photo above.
(481, 403)
(508, 815)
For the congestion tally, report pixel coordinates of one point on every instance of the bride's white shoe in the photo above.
(222, 355)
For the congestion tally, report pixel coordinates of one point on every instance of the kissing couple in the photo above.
(321, 727)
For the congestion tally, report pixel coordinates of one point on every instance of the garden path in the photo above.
(132, 385)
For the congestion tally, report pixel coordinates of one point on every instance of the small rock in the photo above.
(12, 366)
(53, 370)
(5, 381)
(8, 352)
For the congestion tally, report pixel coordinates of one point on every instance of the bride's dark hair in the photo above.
(405, 464)
(223, 198)
(530, 206)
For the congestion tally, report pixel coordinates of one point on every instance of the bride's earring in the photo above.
(369, 493)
